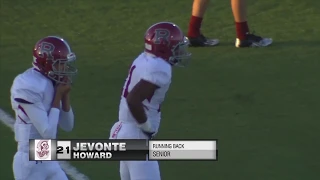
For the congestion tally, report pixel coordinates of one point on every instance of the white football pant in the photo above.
(23, 169)
(134, 170)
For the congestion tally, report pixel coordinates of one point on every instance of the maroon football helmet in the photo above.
(166, 40)
(53, 57)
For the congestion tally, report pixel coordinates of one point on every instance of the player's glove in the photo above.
(147, 129)
(150, 135)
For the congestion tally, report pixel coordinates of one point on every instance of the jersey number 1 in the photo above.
(126, 91)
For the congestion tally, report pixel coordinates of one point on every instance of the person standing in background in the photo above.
(239, 10)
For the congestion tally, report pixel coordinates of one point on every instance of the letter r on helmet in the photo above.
(161, 35)
(47, 48)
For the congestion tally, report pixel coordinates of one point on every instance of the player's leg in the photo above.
(124, 171)
(144, 170)
(198, 9)
(115, 130)
(244, 37)
(134, 170)
(60, 174)
(20, 171)
(195, 36)
(23, 169)
(55, 171)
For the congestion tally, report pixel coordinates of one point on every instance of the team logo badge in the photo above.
(43, 149)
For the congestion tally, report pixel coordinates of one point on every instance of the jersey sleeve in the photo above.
(27, 95)
(45, 123)
(159, 78)
(31, 103)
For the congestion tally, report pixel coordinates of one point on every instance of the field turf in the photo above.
(262, 104)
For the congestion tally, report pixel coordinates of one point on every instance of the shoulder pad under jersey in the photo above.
(29, 86)
(158, 72)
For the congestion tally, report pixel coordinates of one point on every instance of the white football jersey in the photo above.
(154, 70)
(33, 87)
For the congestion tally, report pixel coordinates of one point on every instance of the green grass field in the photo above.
(262, 104)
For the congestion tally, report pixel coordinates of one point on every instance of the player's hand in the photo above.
(149, 134)
(147, 129)
(63, 89)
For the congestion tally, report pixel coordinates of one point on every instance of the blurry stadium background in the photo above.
(262, 104)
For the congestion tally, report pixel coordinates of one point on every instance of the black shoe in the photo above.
(202, 41)
(253, 41)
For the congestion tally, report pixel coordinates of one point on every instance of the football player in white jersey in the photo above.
(40, 99)
(145, 89)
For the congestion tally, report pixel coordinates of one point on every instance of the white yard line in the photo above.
(70, 170)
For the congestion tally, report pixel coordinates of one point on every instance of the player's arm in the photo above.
(144, 89)
(66, 119)
(141, 91)
(45, 123)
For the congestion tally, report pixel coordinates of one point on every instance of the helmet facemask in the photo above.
(180, 54)
(64, 71)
